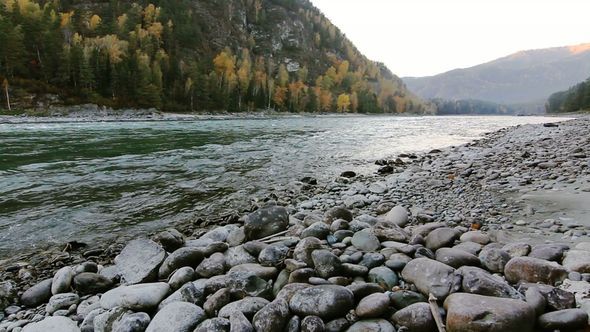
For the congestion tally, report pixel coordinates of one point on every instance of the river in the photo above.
(96, 180)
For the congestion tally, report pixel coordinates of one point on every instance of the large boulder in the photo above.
(139, 261)
(136, 297)
(577, 260)
(431, 276)
(477, 313)
(53, 324)
(178, 317)
(266, 221)
(529, 269)
(480, 281)
(325, 301)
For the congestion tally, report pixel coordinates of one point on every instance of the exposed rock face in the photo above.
(477, 313)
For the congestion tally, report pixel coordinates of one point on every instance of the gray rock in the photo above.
(214, 325)
(517, 249)
(312, 324)
(477, 313)
(337, 213)
(91, 283)
(528, 269)
(192, 292)
(398, 215)
(397, 261)
(383, 276)
(238, 256)
(376, 325)
(188, 256)
(494, 259)
(387, 231)
(239, 323)
(135, 297)
(470, 247)
(37, 294)
(273, 317)
(337, 325)
(456, 258)
(53, 324)
(247, 306)
(289, 290)
(326, 263)
(475, 236)
(361, 290)
(132, 322)
(88, 305)
(61, 301)
(104, 321)
(556, 298)
(273, 255)
(431, 276)
(181, 277)
(318, 230)
(264, 272)
(217, 301)
(212, 266)
(366, 241)
(294, 324)
(178, 317)
(403, 298)
(441, 237)
(62, 280)
(88, 322)
(139, 261)
(373, 306)
(549, 252)
(372, 259)
(416, 317)
(170, 239)
(577, 260)
(479, 281)
(266, 221)
(564, 320)
(247, 284)
(325, 301)
(536, 300)
(304, 248)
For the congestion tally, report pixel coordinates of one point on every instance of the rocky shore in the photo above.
(472, 238)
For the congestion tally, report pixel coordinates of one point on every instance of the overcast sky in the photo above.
(427, 37)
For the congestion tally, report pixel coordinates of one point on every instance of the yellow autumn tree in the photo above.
(343, 103)
(94, 22)
(283, 77)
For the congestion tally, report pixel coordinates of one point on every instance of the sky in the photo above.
(428, 37)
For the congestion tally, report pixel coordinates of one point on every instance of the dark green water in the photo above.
(91, 181)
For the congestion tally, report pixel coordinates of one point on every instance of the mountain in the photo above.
(576, 98)
(526, 77)
(189, 55)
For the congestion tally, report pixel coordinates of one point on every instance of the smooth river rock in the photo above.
(477, 313)
(416, 317)
(534, 270)
(53, 324)
(325, 301)
(37, 294)
(139, 261)
(431, 276)
(480, 281)
(577, 260)
(135, 297)
(564, 320)
(377, 325)
(177, 317)
(398, 215)
(266, 221)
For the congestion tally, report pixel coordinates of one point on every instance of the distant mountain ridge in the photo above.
(525, 77)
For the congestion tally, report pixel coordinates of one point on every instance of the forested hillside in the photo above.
(189, 55)
(575, 99)
(475, 107)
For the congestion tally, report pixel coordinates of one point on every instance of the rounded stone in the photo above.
(416, 317)
(366, 241)
(266, 221)
(325, 301)
(380, 325)
(564, 320)
(178, 317)
(53, 324)
(373, 305)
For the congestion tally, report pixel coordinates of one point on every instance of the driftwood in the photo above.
(436, 313)
(273, 236)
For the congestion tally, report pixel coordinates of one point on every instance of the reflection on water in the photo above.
(60, 182)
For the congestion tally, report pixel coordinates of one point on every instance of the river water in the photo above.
(88, 181)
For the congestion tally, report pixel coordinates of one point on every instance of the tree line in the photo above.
(575, 99)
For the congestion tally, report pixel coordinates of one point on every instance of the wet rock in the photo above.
(214, 325)
(266, 221)
(403, 298)
(326, 263)
(273, 317)
(373, 306)
(398, 215)
(37, 294)
(53, 324)
(139, 261)
(365, 241)
(564, 320)
(416, 317)
(431, 276)
(383, 276)
(188, 256)
(170, 239)
(132, 322)
(212, 266)
(479, 281)
(380, 325)
(456, 258)
(475, 313)
(91, 283)
(312, 324)
(533, 270)
(494, 259)
(577, 260)
(181, 277)
(475, 236)
(441, 237)
(135, 297)
(326, 301)
(61, 301)
(248, 306)
(62, 280)
(178, 317)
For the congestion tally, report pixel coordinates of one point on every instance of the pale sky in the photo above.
(427, 37)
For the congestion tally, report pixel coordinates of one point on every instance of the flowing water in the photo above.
(90, 181)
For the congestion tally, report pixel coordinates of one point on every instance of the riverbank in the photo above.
(383, 241)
